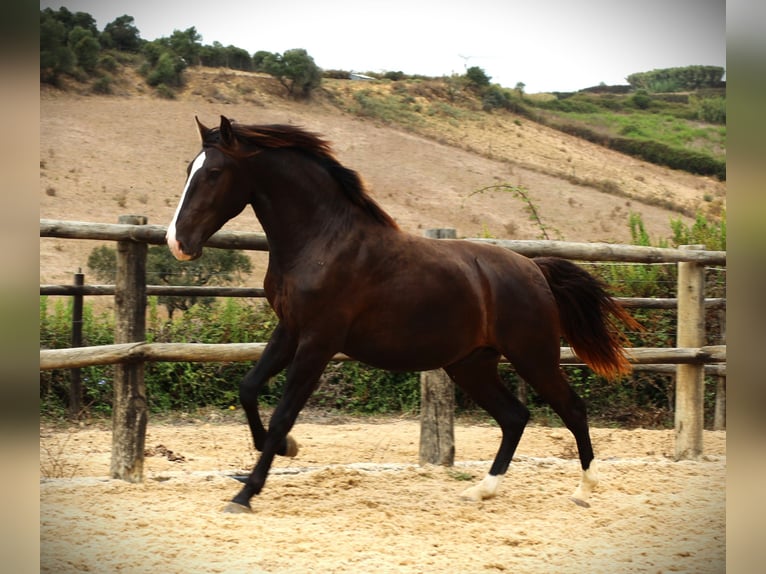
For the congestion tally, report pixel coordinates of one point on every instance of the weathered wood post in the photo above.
(129, 410)
(75, 379)
(719, 418)
(690, 379)
(437, 403)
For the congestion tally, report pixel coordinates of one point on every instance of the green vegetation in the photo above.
(214, 267)
(295, 70)
(71, 46)
(688, 78)
(685, 132)
(349, 387)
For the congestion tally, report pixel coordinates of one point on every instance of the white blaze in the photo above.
(170, 236)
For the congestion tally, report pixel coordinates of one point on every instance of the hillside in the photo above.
(104, 156)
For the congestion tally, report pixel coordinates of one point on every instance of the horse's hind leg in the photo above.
(550, 383)
(477, 375)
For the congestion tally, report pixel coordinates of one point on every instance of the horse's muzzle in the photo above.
(176, 248)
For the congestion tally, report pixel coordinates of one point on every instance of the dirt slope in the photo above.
(104, 156)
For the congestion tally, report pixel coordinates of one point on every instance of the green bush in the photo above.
(641, 100)
(662, 154)
(56, 333)
(495, 97)
(477, 76)
(102, 85)
(168, 71)
(358, 388)
(712, 110)
(108, 63)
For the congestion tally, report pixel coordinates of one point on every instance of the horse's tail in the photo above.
(589, 316)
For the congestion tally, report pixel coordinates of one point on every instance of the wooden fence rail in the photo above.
(131, 351)
(220, 352)
(152, 234)
(175, 290)
(155, 234)
(191, 290)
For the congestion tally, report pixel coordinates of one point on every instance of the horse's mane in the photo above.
(278, 136)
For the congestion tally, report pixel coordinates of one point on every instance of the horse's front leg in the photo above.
(302, 378)
(276, 356)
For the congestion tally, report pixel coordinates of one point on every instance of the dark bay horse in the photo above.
(342, 277)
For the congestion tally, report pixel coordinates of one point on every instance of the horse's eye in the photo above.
(214, 173)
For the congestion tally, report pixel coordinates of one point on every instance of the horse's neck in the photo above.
(296, 226)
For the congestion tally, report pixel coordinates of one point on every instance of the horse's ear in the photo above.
(203, 131)
(227, 133)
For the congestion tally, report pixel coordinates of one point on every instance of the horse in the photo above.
(343, 277)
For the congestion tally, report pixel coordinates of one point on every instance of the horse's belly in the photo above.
(416, 345)
(403, 362)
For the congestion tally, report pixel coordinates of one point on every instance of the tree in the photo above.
(218, 56)
(56, 57)
(186, 44)
(238, 58)
(121, 34)
(153, 50)
(71, 20)
(213, 56)
(477, 76)
(259, 60)
(295, 70)
(85, 47)
(168, 71)
(215, 267)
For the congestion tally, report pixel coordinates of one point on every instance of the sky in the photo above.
(548, 45)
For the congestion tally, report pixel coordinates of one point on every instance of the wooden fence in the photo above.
(130, 351)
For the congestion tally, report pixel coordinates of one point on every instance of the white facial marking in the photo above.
(170, 236)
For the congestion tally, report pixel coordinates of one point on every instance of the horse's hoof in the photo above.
(237, 508)
(292, 447)
(472, 494)
(579, 502)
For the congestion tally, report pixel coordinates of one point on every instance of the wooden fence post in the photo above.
(75, 380)
(129, 410)
(437, 403)
(690, 379)
(719, 418)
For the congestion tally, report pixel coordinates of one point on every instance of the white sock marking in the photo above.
(487, 488)
(170, 236)
(588, 482)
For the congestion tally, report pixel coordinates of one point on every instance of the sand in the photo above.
(355, 500)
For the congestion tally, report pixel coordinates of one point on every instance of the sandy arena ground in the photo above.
(355, 500)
